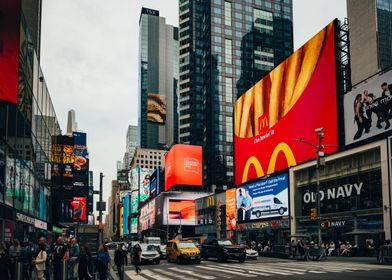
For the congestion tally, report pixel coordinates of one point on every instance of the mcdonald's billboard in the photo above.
(294, 99)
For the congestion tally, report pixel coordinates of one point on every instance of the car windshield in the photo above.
(148, 247)
(184, 245)
(224, 242)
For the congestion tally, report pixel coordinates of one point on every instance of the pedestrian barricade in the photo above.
(64, 269)
(18, 268)
(317, 254)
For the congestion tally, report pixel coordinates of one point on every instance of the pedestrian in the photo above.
(26, 257)
(42, 241)
(293, 249)
(73, 258)
(14, 254)
(85, 267)
(4, 262)
(103, 262)
(59, 250)
(40, 261)
(120, 259)
(137, 257)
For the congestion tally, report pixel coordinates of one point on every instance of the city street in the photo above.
(264, 268)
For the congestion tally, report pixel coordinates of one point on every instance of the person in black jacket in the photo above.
(59, 250)
(85, 268)
(4, 262)
(120, 258)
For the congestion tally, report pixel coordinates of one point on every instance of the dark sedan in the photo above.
(222, 250)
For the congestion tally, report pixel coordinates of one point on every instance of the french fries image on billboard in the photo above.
(269, 100)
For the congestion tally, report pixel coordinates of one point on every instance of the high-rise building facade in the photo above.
(158, 81)
(131, 144)
(224, 48)
(370, 25)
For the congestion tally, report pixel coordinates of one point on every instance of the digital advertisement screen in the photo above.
(134, 203)
(367, 109)
(182, 210)
(154, 183)
(266, 198)
(147, 216)
(80, 164)
(9, 49)
(288, 104)
(231, 209)
(144, 183)
(156, 108)
(68, 160)
(184, 166)
(79, 205)
(134, 225)
(126, 214)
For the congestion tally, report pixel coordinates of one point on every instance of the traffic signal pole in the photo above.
(100, 229)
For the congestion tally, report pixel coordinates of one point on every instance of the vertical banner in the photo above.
(231, 209)
(121, 220)
(80, 164)
(10, 11)
(126, 215)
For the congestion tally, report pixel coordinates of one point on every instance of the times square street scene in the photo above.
(195, 139)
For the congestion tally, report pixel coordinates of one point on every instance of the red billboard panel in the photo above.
(288, 104)
(184, 166)
(79, 205)
(182, 210)
(9, 49)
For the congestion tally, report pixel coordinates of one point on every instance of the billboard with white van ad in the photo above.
(262, 199)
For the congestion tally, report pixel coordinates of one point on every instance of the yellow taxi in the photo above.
(182, 251)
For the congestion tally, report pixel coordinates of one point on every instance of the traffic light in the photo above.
(313, 213)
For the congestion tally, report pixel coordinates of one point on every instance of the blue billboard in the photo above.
(264, 198)
(154, 183)
(126, 215)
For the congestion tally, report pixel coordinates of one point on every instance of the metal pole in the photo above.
(318, 192)
(100, 208)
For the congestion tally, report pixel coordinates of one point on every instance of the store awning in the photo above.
(364, 232)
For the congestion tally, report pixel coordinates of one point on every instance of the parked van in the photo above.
(269, 205)
(181, 251)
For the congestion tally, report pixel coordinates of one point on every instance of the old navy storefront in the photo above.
(353, 192)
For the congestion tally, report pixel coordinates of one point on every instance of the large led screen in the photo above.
(267, 198)
(126, 214)
(183, 210)
(288, 104)
(80, 164)
(367, 109)
(231, 209)
(184, 166)
(79, 205)
(144, 183)
(156, 108)
(147, 216)
(9, 49)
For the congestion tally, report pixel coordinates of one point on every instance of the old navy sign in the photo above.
(346, 190)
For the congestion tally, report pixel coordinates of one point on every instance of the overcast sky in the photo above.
(89, 53)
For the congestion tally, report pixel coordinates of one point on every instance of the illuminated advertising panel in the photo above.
(184, 166)
(182, 211)
(121, 221)
(287, 105)
(134, 203)
(134, 225)
(367, 109)
(126, 214)
(266, 198)
(156, 108)
(147, 216)
(79, 205)
(68, 160)
(154, 183)
(231, 209)
(144, 183)
(9, 49)
(80, 164)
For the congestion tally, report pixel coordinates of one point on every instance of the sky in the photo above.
(89, 57)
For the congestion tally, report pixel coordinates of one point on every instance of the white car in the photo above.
(251, 254)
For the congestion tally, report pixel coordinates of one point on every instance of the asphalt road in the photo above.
(265, 268)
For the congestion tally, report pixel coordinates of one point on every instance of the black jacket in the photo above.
(120, 257)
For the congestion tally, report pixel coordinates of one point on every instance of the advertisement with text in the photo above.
(368, 109)
(266, 198)
(287, 105)
(79, 205)
(144, 183)
(147, 216)
(156, 108)
(184, 166)
(182, 211)
(231, 209)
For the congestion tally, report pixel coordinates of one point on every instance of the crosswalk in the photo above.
(213, 270)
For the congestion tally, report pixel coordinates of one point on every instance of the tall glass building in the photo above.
(370, 26)
(224, 48)
(158, 81)
(27, 123)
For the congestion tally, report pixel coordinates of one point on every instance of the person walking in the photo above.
(73, 258)
(137, 257)
(40, 261)
(4, 262)
(120, 259)
(14, 254)
(59, 250)
(103, 260)
(85, 267)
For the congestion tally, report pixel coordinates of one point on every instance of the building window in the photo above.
(227, 13)
(229, 89)
(228, 51)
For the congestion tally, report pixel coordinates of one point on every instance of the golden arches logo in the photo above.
(253, 161)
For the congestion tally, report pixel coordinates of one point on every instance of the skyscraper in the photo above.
(131, 144)
(158, 79)
(370, 25)
(225, 47)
